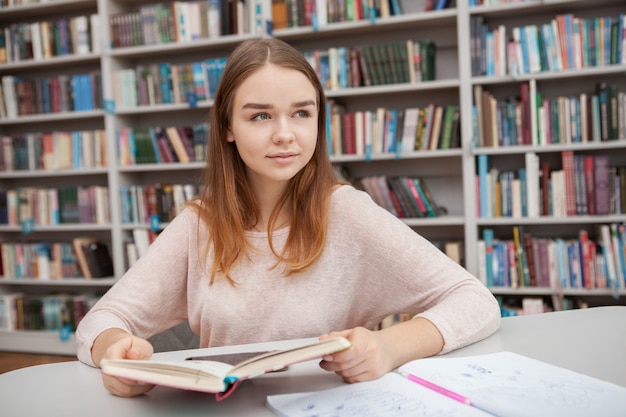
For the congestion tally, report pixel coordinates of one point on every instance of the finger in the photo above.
(122, 387)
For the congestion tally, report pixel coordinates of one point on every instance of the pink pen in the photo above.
(437, 388)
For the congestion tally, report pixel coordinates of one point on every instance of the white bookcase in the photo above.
(551, 85)
(450, 174)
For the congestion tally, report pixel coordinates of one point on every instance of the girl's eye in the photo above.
(303, 113)
(259, 116)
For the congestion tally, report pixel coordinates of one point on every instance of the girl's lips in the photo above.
(283, 155)
(283, 158)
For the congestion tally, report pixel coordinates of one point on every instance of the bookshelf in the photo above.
(577, 84)
(449, 173)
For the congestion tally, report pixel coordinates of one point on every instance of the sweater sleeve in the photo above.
(401, 268)
(150, 297)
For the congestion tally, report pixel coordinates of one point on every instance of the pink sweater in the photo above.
(373, 266)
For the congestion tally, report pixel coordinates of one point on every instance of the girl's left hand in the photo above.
(370, 356)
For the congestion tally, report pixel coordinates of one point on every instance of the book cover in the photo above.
(81, 257)
(98, 259)
(177, 144)
(567, 163)
(601, 190)
(399, 186)
(218, 377)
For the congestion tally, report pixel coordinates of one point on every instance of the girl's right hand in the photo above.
(121, 345)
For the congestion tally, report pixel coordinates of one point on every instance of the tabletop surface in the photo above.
(590, 341)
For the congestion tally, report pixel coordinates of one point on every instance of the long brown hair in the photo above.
(228, 205)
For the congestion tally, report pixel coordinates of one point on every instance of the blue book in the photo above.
(392, 118)
(396, 10)
(570, 40)
(575, 114)
(132, 146)
(441, 4)
(45, 95)
(343, 66)
(483, 181)
(125, 203)
(155, 145)
(75, 93)
(501, 267)
(491, 66)
(488, 237)
(166, 82)
(525, 66)
(199, 81)
(620, 40)
(76, 150)
(522, 177)
(574, 265)
(87, 92)
(561, 265)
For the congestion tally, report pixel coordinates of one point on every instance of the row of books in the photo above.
(154, 203)
(289, 14)
(392, 131)
(22, 96)
(82, 257)
(187, 21)
(35, 206)
(566, 42)
(53, 151)
(581, 185)
(162, 144)
(77, 35)
(181, 21)
(163, 83)
(376, 64)
(404, 197)
(19, 311)
(557, 263)
(533, 119)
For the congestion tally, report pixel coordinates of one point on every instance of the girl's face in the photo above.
(274, 125)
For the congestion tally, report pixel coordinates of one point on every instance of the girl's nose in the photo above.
(284, 131)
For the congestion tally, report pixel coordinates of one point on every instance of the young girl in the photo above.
(276, 248)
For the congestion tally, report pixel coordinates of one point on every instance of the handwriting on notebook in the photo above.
(388, 396)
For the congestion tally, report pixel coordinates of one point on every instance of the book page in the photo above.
(389, 396)
(510, 385)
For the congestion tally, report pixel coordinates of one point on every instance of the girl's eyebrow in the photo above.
(303, 103)
(256, 106)
(260, 106)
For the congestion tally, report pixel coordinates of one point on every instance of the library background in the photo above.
(494, 128)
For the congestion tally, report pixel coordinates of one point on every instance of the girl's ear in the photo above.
(229, 136)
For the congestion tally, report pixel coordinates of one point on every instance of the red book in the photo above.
(525, 102)
(349, 134)
(567, 161)
(416, 196)
(602, 192)
(590, 184)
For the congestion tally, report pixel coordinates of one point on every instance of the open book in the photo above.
(217, 377)
(501, 384)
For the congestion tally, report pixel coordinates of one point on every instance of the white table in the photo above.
(591, 341)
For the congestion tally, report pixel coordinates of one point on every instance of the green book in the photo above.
(428, 51)
(448, 123)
